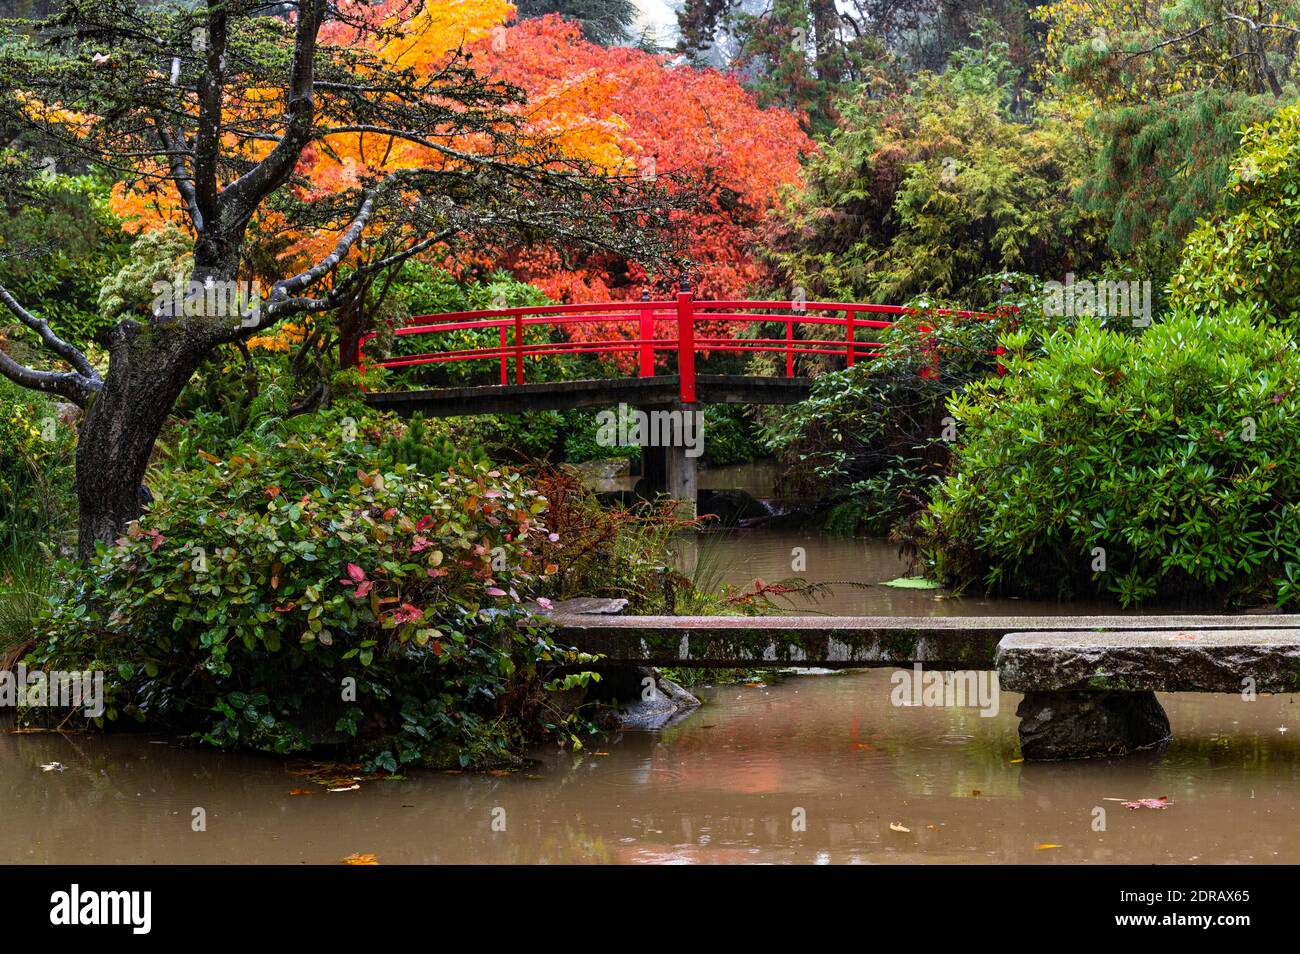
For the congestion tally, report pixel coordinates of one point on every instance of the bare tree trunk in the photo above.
(825, 26)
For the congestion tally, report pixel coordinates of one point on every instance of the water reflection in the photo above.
(721, 786)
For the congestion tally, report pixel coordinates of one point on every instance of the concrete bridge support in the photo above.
(682, 481)
(667, 470)
(670, 456)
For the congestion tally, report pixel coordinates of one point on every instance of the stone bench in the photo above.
(1090, 694)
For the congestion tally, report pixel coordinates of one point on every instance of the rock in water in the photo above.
(1082, 725)
(729, 508)
(641, 698)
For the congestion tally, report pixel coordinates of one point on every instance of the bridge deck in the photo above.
(659, 391)
(951, 642)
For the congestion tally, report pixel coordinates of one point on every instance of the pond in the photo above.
(854, 572)
(816, 768)
(726, 784)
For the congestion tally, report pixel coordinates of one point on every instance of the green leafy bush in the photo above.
(1250, 252)
(730, 435)
(162, 256)
(870, 438)
(37, 509)
(430, 454)
(303, 595)
(36, 467)
(581, 435)
(56, 249)
(929, 188)
(1174, 455)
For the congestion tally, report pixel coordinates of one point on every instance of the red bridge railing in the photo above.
(667, 326)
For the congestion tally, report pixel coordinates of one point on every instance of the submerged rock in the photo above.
(661, 702)
(640, 698)
(730, 508)
(1082, 724)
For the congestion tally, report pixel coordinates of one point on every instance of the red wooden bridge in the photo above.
(684, 328)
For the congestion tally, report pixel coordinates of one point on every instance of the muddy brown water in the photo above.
(729, 783)
(726, 784)
(855, 571)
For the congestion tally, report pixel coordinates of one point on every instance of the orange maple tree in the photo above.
(669, 120)
(621, 110)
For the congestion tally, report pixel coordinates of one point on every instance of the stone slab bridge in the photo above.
(660, 339)
(1089, 682)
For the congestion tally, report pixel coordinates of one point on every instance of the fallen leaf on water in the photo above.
(1160, 802)
(1044, 846)
(361, 860)
(600, 753)
(348, 788)
(52, 767)
(1016, 761)
(896, 826)
(301, 791)
(935, 827)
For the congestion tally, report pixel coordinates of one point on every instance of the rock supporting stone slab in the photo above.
(1084, 725)
(1182, 660)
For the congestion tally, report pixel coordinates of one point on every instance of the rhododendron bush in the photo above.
(309, 593)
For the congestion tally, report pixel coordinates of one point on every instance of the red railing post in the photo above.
(361, 358)
(519, 349)
(647, 338)
(505, 362)
(928, 345)
(686, 342)
(789, 347)
(848, 337)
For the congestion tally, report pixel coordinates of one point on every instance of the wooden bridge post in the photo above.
(848, 337)
(647, 338)
(789, 347)
(519, 349)
(680, 466)
(686, 342)
(505, 362)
